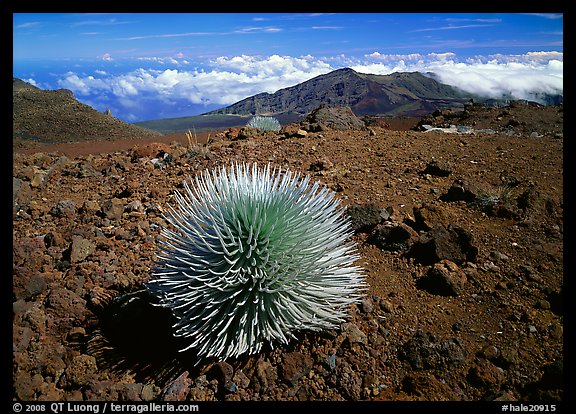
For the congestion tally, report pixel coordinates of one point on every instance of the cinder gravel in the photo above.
(85, 227)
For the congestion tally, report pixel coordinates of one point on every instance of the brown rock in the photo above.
(295, 365)
(113, 208)
(79, 371)
(430, 215)
(485, 374)
(179, 389)
(150, 150)
(66, 303)
(445, 278)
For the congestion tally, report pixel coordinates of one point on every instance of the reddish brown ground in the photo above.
(500, 337)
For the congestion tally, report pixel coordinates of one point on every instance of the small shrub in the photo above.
(264, 123)
(487, 200)
(196, 149)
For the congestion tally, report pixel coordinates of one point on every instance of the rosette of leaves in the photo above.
(264, 123)
(251, 256)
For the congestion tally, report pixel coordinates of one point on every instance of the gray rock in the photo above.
(35, 286)
(134, 206)
(266, 374)
(331, 361)
(84, 169)
(178, 390)
(498, 256)
(80, 249)
(463, 129)
(63, 208)
(21, 195)
(21, 338)
(425, 351)
(366, 305)
(353, 334)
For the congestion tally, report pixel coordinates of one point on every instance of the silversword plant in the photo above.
(264, 123)
(250, 256)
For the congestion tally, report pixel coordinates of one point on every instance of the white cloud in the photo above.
(31, 82)
(519, 76)
(226, 80)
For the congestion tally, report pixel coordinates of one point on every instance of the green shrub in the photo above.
(488, 199)
(264, 123)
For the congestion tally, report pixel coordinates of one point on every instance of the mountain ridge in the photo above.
(407, 94)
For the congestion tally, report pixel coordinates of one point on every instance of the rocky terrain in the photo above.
(55, 116)
(460, 236)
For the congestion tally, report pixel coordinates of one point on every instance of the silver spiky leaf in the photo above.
(252, 255)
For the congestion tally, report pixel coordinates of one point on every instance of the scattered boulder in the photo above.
(430, 215)
(80, 249)
(461, 190)
(353, 334)
(179, 389)
(152, 150)
(444, 278)
(113, 208)
(64, 208)
(366, 216)
(21, 195)
(221, 371)
(79, 372)
(438, 168)
(452, 243)
(486, 375)
(393, 236)
(321, 164)
(267, 374)
(66, 303)
(325, 117)
(425, 351)
(295, 365)
(424, 384)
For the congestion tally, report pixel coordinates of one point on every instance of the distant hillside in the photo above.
(55, 116)
(405, 94)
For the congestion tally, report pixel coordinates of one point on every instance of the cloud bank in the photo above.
(167, 87)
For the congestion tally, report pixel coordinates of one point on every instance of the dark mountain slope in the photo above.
(399, 94)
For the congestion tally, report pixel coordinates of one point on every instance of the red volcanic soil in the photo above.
(460, 237)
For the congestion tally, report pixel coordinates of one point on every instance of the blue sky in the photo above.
(155, 65)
